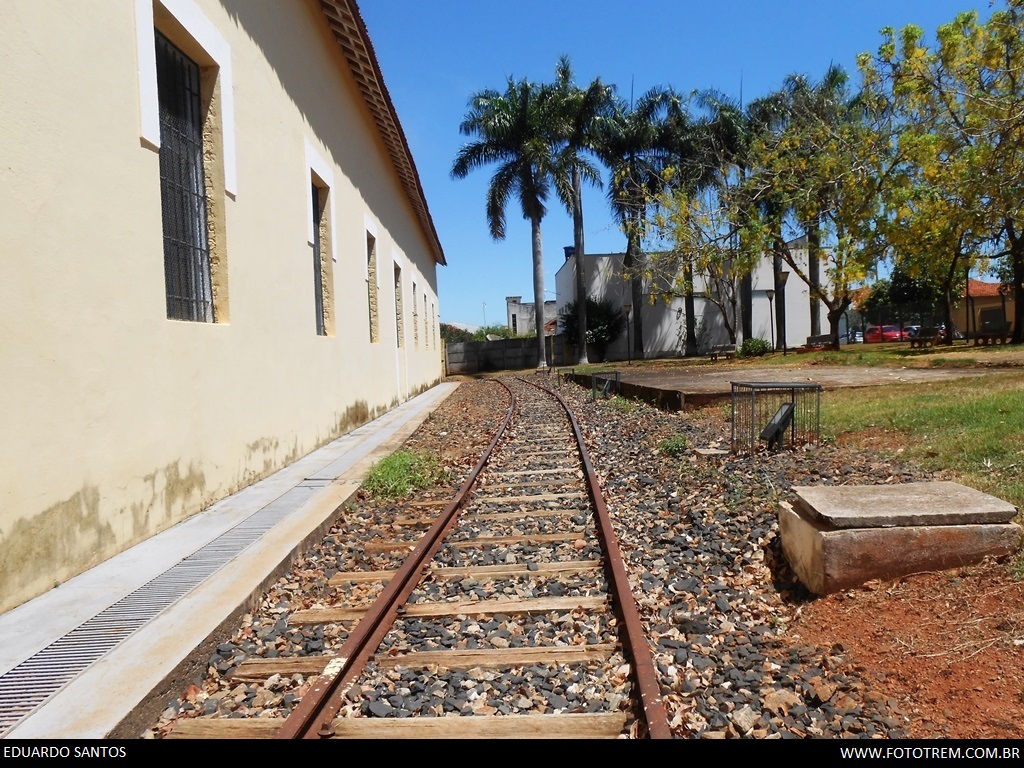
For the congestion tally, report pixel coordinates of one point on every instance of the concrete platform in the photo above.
(838, 537)
(76, 701)
(696, 384)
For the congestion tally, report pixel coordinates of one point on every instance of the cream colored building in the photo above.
(216, 257)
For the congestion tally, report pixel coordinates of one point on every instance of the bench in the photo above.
(926, 336)
(728, 351)
(992, 333)
(822, 341)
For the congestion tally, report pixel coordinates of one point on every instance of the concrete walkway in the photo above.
(45, 692)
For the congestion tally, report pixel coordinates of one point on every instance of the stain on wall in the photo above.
(179, 490)
(40, 552)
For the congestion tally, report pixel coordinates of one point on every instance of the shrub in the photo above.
(402, 472)
(452, 335)
(754, 348)
(677, 445)
(605, 323)
(501, 331)
(624, 404)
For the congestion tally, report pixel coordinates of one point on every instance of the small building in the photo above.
(521, 317)
(217, 257)
(984, 306)
(664, 312)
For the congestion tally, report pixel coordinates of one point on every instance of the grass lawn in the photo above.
(972, 427)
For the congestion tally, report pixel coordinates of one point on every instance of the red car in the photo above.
(876, 334)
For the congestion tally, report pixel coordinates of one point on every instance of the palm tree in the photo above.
(581, 115)
(514, 131)
(632, 144)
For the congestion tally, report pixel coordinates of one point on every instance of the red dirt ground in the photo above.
(946, 648)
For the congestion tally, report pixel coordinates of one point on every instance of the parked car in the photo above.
(911, 331)
(877, 334)
(855, 337)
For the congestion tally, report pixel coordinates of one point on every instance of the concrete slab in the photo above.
(828, 560)
(694, 385)
(903, 504)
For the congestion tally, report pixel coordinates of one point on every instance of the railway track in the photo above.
(511, 605)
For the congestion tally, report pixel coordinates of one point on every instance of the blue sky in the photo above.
(436, 53)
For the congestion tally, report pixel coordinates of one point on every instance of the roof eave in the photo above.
(349, 30)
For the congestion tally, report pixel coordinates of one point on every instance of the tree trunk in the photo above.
(581, 281)
(631, 266)
(814, 273)
(691, 319)
(538, 290)
(747, 305)
(947, 295)
(747, 280)
(1017, 260)
(780, 303)
(834, 316)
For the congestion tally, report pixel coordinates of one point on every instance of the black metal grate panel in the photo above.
(183, 186)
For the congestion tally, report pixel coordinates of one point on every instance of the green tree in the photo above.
(452, 335)
(732, 132)
(495, 331)
(696, 227)
(827, 101)
(514, 131)
(803, 155)
(690, 174)
(607, 322)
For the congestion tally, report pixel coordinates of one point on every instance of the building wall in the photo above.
(119, 422)
(664, 321)
(984, 298)
(797, 297)
(661, 320)
(521, 317)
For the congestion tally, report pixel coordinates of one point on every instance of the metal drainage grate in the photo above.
(37, 679)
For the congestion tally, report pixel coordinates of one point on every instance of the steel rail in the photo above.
(314, 714)
(312, 717)
(635, 639)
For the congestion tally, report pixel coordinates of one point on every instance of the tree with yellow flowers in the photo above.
(959, 191)
(822, 170)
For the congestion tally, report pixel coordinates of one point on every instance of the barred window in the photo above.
(372, 297)
(318, 264)
(399, 324)
(183, 186)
